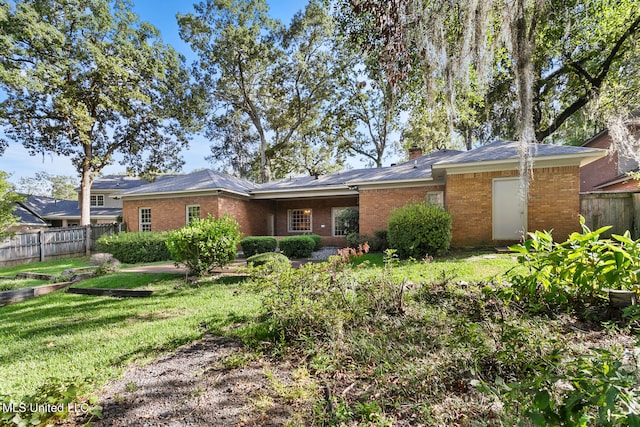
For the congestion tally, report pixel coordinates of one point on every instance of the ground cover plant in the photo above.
(12, 284)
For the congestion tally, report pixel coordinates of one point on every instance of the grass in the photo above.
(65, 336)
(46, 267)
(12, 284)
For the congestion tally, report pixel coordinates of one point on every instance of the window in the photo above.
(299, 220)
(145, 219)
(339, 228)
(436, 198)
(97, 200)
(193, 212)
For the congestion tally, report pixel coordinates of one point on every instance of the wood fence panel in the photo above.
(614, 209)
(38, 245)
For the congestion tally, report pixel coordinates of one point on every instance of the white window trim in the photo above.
(289, 228)
(98, 198)
(140, 223)
(187, 212)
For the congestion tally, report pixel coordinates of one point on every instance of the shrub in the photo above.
(317, 241)
(268, 258)
(379, 242)
(297, 246)
(258, 244)
(419, 229)
(356, 239)
(136, 247)
(205, 243)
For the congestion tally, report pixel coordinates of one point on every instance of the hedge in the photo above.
(268, 257)
(135, 247)
(297, 246)
(257, 245)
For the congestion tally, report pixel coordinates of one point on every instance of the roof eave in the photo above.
(178, 193)
(514, 163)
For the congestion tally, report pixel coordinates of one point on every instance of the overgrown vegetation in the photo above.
(388, 348)
(419, 229)
(205, 243)
(132, 248)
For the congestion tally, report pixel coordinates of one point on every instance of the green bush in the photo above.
(356, 239)
(317, 241)
(419, 229)
(258, 244)
(268, 258)
(379, 242)
(137, 247)
(205, 243)
(297, 246)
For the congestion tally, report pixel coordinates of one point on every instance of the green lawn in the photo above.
(47, 267)
(65, 336)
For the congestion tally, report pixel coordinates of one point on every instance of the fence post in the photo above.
(87, 244)
(41, 245)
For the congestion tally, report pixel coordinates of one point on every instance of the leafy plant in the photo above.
(578, 270)
(205, 243)
(419, 229)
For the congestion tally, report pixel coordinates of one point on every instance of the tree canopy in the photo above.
(61, 187)
(277, 79)
(86, 79)
(8, 200)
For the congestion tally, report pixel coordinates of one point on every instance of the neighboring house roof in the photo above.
(51, 208)
(28, 218)
(122, 182)
(198, 181)
(429, 168)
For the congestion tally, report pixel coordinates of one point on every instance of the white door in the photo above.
(509, 210)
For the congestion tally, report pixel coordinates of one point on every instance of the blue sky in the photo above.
(160, 13)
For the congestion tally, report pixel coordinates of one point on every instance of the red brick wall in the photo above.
(554, 203)
(167, 213)
(321, 216)
(376, 205)
(601, 170)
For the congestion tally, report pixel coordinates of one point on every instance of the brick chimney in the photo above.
(415, 152)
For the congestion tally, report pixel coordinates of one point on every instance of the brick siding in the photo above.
(554, 203)
(376, 204)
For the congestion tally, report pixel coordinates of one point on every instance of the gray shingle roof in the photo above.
(26, 217)
(195, 181)
(48, 207)
(508, 150)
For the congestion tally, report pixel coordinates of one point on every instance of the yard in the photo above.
(402, 343)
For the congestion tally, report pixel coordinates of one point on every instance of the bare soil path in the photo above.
(191, 387)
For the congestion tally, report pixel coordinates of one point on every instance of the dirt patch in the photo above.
(193, 387)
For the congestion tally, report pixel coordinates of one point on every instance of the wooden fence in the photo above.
(619, 210)
(52, 243)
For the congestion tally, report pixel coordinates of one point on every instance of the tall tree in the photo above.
(258, 71)
(88, 80)
(61, 187)
(542, 62)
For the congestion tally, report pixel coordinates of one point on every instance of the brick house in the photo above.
(480, 188)
(608, 173)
